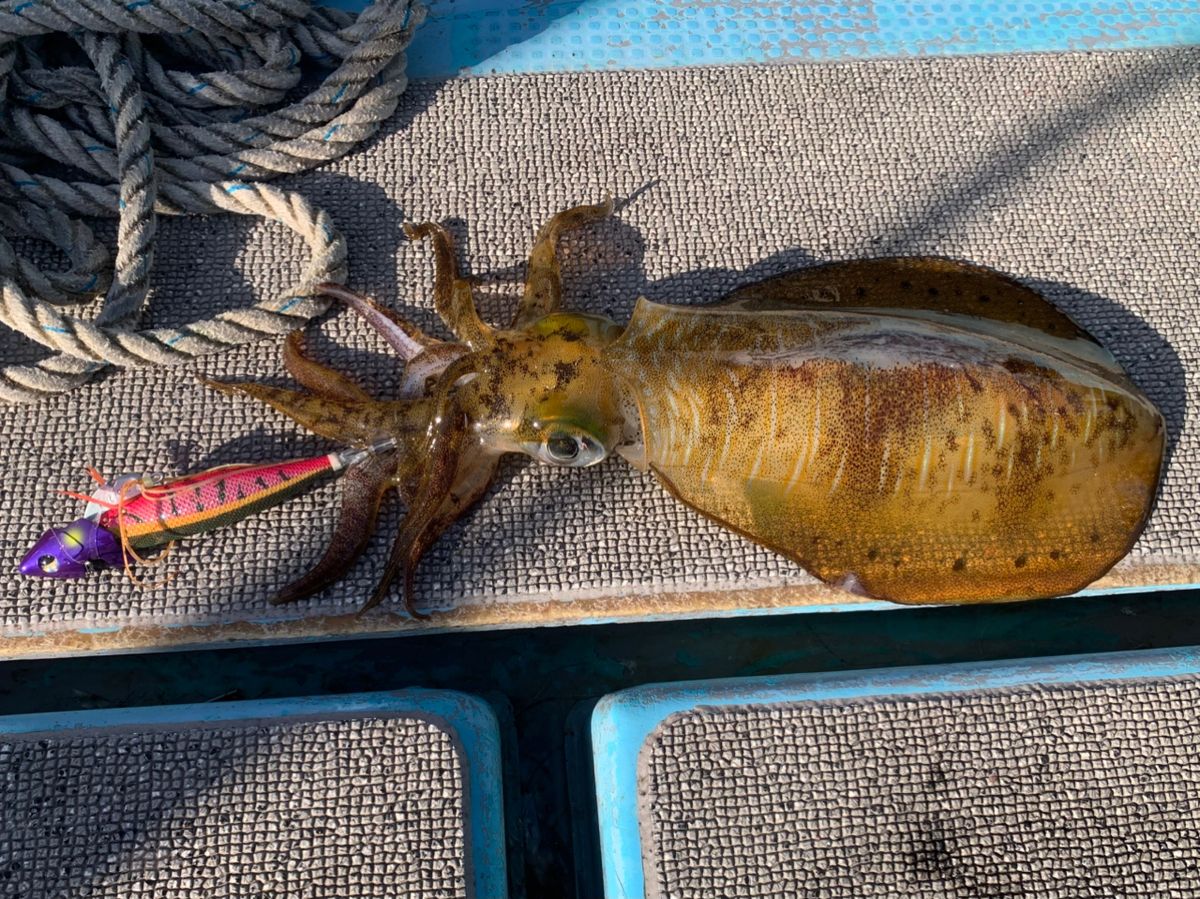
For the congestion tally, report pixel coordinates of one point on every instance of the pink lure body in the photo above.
(148, 515)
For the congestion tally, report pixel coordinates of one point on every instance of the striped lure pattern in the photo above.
(137, 513)
(916, 429)
(184, 507)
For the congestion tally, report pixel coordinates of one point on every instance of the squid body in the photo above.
(916, 429)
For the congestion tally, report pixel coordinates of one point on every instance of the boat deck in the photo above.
(1076, 172)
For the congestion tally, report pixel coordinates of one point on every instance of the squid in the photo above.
(911, 429)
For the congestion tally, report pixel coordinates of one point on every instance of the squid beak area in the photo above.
(452, 480)
(418, 531)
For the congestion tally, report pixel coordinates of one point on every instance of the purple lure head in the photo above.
(70, 551)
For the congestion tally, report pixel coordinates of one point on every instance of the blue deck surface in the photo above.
(497, 37)
(470, 720)
(622, 722)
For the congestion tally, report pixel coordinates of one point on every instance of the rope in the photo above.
(170, 107)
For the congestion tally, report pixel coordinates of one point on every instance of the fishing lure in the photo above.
(136, 513)
(914, 429)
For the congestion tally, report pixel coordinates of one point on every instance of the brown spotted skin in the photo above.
(546, 377)
(919, 459)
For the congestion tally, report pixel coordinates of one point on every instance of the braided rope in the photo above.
(109, 130)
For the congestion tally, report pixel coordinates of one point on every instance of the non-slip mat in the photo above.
(1078, 173)
(1059, 792)
(370, 807)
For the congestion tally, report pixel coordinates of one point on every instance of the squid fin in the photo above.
(942, 290)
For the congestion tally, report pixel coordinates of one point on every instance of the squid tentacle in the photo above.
(429, 365)
(452, 295)
(472, 481)
(318, 377)
(443, 450)
(401, 335)
(543, 277)
(425, 357)
(359, 422)
(437, 480)
(364, 487)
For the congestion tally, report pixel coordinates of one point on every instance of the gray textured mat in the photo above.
(1078, 173)
(1069, 792)
(369, 807)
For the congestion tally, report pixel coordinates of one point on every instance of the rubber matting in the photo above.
(1078, 173)
(301, 808)
(1058, 791)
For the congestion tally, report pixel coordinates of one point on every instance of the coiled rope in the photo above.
(133, 109)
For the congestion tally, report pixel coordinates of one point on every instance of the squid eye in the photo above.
(575, 449)
(563, 447)
(48, 563)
